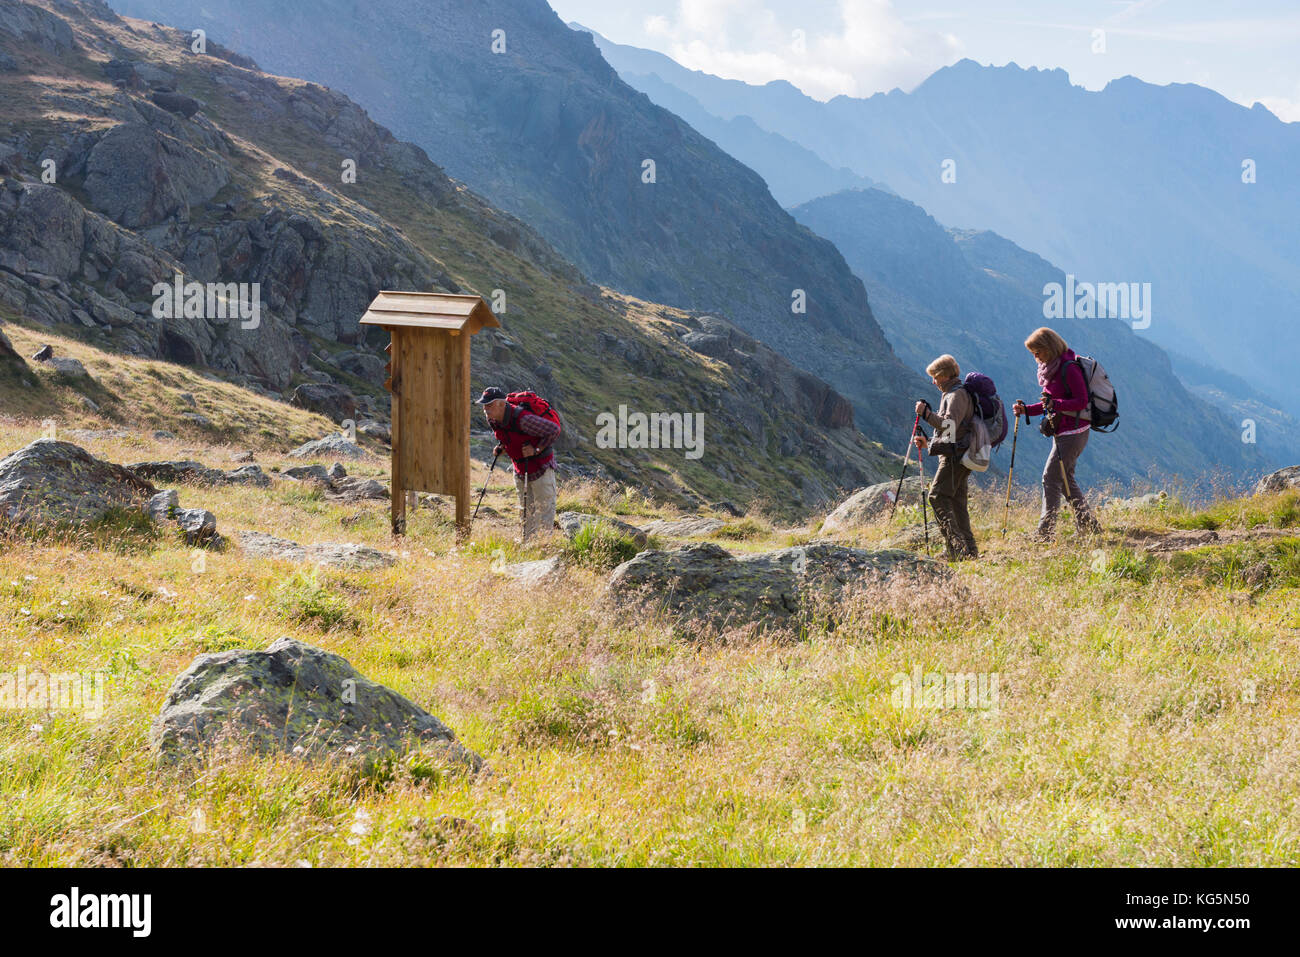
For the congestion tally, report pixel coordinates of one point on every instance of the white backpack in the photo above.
(1102, 412)
(980, 453)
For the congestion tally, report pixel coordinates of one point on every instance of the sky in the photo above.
(1247, 50)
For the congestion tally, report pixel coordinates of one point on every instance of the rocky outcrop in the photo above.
(1279, 481)
(329, 554)
(573, 522)
(705, 587)
(11, 363)
(51, 483)
(140, 176)
(534, 573)
(329, 447)
(869, 503)
(36, 28)
(196, 473)
(683, 527)
(148, 190)
(733, 247)
(332, 401)
(296, 699)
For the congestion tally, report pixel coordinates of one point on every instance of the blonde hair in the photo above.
(1047, 341)
(943, 368)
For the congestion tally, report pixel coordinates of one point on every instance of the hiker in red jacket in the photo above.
(526, 427)
(1065, 398)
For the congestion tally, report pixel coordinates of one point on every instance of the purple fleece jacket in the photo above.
(1078, 392)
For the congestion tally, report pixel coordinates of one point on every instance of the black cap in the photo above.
(490, 394)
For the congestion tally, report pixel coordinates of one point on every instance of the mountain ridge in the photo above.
(547, 131)
(1169, 207)
(248, 189)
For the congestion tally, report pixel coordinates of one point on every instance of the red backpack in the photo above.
(512, 440)
(534, 404)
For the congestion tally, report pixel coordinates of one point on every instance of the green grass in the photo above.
(1146, 708)
(743, 530)
(599, 544)
(1274, 564)
(1278, 510)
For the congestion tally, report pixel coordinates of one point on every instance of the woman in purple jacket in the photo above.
(1065, 400)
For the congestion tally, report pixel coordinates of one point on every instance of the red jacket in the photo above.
(520, 428)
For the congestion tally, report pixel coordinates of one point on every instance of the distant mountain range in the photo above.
(1135, 183)
(545, 129)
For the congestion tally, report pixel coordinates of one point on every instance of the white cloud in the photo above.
(865, 48)
(1288, 111)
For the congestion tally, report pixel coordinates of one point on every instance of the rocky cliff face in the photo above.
(127, 160)
(545, 129)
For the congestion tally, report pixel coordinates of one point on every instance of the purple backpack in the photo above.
(987, 405)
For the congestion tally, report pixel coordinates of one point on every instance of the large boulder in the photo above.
(351, 488)
(683, 527)
(58, 483)
(292, 698)
(328, 554)
(363, 365)
(704, 585)
(332, 401)
(573, 522)
(196, 473)
(1279, 481)
(869, 503)
(332, 446)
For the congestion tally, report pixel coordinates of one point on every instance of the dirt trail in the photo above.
(1181, 540)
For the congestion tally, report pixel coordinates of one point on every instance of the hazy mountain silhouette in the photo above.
(1134, 183)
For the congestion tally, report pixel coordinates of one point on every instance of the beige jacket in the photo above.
(951, 423)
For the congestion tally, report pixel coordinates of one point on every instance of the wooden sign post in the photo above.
(428, 372)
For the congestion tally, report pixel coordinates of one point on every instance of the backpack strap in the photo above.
(1069, 394)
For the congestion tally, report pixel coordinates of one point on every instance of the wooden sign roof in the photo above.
(430, 310)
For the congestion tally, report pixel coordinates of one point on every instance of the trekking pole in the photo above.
(1065, 492)
(906, 454)
(925, 515)
(485, 485)
(1011, 470)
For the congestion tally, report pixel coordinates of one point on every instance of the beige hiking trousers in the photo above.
(537, 503)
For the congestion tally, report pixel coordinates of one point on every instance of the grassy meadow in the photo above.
(1147, 708)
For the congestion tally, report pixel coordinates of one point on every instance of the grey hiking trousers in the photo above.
(1066, 450)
